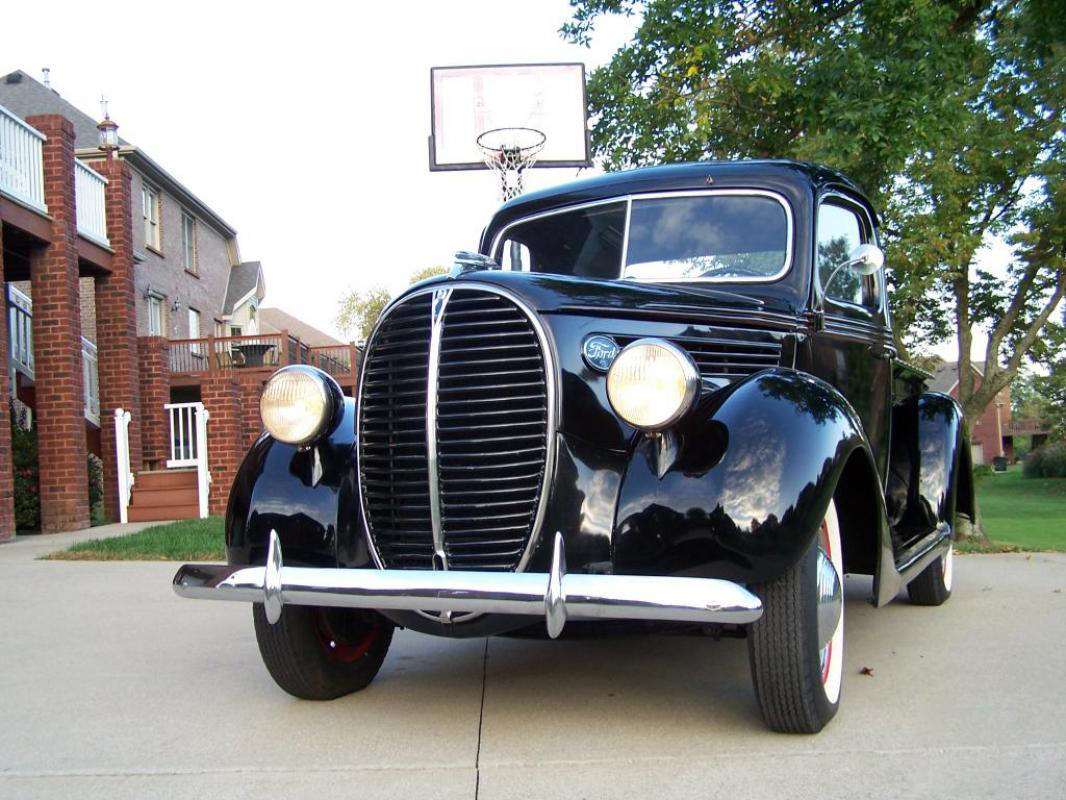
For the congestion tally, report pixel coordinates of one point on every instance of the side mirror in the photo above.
(865, 259)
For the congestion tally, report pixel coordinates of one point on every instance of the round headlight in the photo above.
(296, 405)
(652, 384)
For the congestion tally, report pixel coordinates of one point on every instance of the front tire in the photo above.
(322, 653)
(796, 661)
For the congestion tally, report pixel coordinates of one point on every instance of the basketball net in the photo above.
(509, 152)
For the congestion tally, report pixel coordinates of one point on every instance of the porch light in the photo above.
(108, 130)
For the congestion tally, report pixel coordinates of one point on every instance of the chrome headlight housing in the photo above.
(652, 384)
(298, 403)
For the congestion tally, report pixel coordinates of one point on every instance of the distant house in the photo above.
(992, 434)
(276, 320)
(126, 290)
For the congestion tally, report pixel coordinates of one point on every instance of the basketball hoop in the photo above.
(510, 152)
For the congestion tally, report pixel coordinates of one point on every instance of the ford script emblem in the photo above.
(600, 352)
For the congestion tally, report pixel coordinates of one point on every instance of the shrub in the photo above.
(981, 471)
(1048, 461)
(96, 490)
(24, 463)
(27, 480)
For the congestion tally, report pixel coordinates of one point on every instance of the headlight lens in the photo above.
(296, 405)
(652, 384)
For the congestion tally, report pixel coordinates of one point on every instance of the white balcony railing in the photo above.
(89, 202)
(21, 162)
(20, 331)
(20, 340)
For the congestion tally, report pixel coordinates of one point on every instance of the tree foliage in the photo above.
(360, 309)
(950, 114)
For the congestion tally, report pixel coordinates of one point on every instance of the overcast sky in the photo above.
(304, 125)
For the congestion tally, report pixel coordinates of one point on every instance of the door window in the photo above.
(839, 232)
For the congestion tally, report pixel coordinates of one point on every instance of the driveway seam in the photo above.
(481, 720)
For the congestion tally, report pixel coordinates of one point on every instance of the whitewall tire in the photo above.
(797, 646)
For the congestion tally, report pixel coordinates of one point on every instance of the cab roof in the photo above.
(751, 174)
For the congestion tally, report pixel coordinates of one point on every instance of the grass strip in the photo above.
(184, 540)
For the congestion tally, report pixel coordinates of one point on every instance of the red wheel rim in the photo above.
(337, 647)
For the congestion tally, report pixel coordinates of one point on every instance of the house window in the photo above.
(155, 315)
(188, 243)
(235, 330)
(150, 211)
(194, 332)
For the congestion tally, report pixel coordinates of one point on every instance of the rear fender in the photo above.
(929, 480)
(739, 489)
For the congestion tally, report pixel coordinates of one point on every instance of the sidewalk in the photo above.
(27, 547)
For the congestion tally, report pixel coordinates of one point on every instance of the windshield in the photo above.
(727, 237)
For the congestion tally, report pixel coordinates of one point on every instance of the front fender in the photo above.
(307, 495)
(742, 487)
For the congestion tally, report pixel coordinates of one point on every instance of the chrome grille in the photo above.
(490, 434)
(394, 473)
(727, 358)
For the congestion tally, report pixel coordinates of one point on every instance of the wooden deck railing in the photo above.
(1023, 426)
(265, 351)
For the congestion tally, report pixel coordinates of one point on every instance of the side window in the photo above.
(839, 232)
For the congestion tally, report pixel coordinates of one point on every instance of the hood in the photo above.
(763, 304)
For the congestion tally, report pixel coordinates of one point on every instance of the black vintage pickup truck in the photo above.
(668, 396)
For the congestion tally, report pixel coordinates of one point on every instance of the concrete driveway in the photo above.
(112, 687)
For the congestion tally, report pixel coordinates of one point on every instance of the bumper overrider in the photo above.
(556, 595)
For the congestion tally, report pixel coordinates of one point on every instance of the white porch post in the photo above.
(203, 476)
(122, 455)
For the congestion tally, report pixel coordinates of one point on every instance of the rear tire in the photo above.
(797, 676)
(322, 653)
(933, 584)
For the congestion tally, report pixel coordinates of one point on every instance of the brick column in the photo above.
(57, 342)
(116, 330)
(220, 394)
(7, 481)
(155, 393)
(251, 421)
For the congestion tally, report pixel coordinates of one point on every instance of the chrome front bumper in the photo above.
(556, 596)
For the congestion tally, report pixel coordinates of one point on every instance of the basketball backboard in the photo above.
(467, 101)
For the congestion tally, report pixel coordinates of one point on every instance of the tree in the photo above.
(360, 308)
(1050, 388)
(427, 273)
(949, 114)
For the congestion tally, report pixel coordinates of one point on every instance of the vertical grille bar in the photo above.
(440, 302)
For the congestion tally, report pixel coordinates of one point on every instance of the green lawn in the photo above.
(1029, 512)
(185, 540)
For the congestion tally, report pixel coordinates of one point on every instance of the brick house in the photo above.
(124, 290)
(991, 434)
